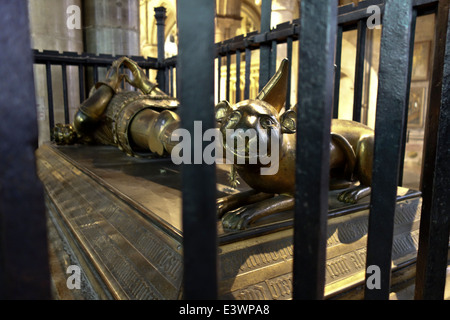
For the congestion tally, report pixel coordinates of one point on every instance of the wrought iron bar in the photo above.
(391, 103)
(315, 86)
(359, 70)
(24, 264)
(337, 72)
(435, 222)
(265, 48)
(196, 73)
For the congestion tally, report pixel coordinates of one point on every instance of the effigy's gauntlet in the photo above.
(139, 79)
(113, 77)
(64, 134)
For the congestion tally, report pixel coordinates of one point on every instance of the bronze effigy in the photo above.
(121, 215)
(138, 122)
(144, 123)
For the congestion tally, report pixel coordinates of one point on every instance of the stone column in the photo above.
(160, 17)
(49, 31)
(111, 27)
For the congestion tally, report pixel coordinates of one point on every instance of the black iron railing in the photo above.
(83, 62)
(397, 41)
(317, 61)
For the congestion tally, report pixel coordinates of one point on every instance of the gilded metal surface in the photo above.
(133, 256)
(351, 152)
(261, 268)
(274, 92)
(125, 215)
(107, 115)
(142, 125)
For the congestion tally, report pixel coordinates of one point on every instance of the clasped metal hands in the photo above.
(138, 80)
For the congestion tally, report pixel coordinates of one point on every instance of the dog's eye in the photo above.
(234, 118)
(266, 122)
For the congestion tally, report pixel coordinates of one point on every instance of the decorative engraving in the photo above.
(358, 257)
(407, 211)
(141, 262)
(347, 237)
(256, 292)
(255, 257)
(337, 267)
(280, 287)
(129, 253)
(405, 243)
(352, 230)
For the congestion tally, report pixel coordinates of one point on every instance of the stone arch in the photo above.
(251, 17)
(246, 9)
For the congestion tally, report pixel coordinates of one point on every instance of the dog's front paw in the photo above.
(238, 219)
(221, 207)
(352, 195)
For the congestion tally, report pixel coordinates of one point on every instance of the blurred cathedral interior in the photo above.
(128, 27)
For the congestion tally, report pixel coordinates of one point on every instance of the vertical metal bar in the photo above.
(318, 21)
(266, 12)
(196, 74)
(289, 82)
(171, 91)
(434, 222)
(95, 74)
(392, 87)
(166, 80)
(264, 54)
(367, 75)
(122, 83)
(24, 269)
(219, 67)
(273, 59)
(227, 84)
(177, 79)
(337, 72)
(81, 82)
(160, 17)
(248, 62)
(51, 114)
(405, 116)
(238, 75)
(359, 70)
(65, 93)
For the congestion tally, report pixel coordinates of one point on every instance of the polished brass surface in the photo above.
(274, 92)
(107, 116)
(351, 151)
(142, 124)
(124, 213)
(125, 243)
(261, 267)
(123, 216)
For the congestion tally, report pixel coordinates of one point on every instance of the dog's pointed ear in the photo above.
(274, 92)
(221, 110)
(288, 121)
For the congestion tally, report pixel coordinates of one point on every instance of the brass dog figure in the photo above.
(351, 154)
